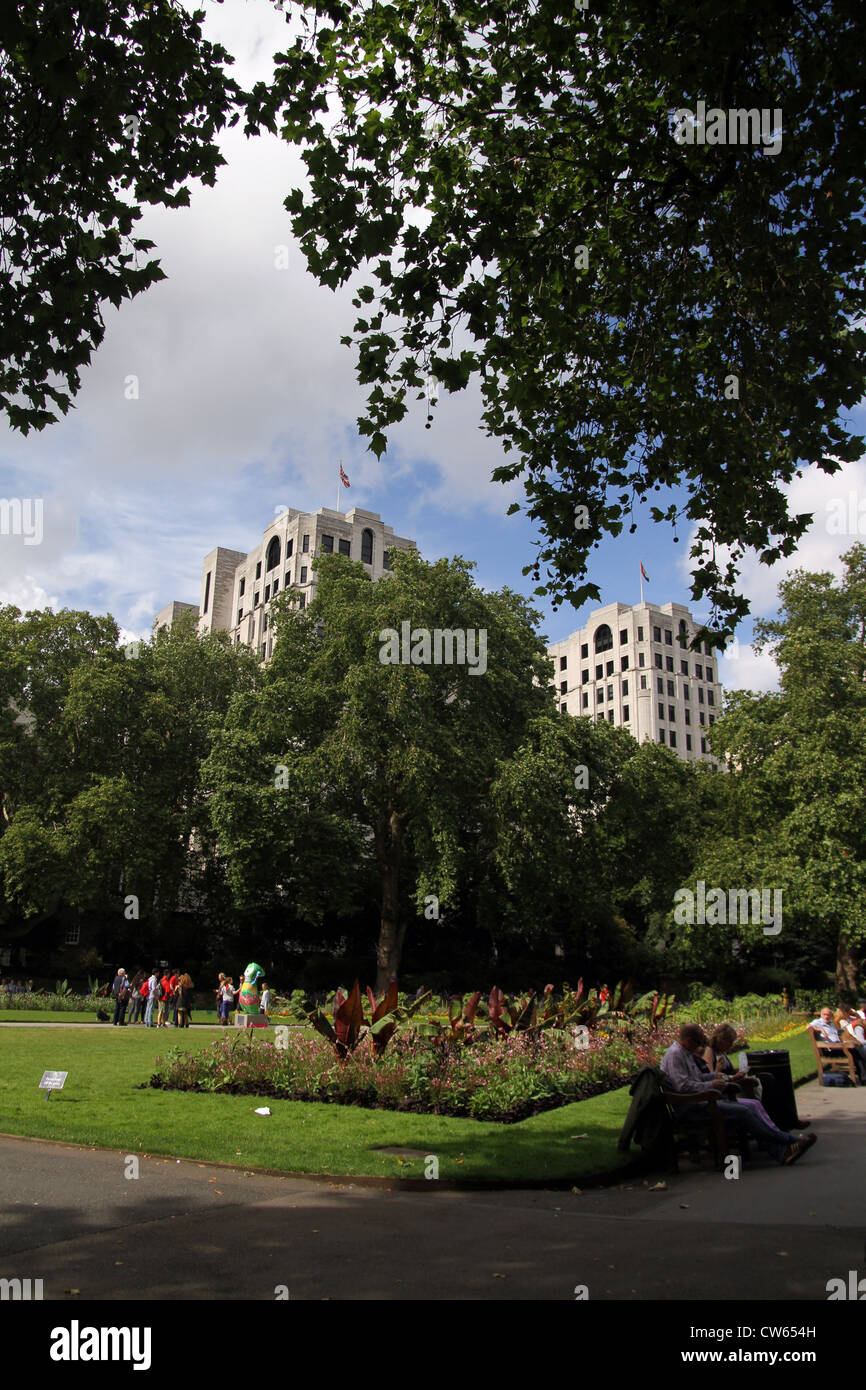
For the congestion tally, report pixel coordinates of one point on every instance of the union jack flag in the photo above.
(343, 479)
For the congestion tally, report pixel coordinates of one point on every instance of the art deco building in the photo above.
(634, 667)
(237, 589)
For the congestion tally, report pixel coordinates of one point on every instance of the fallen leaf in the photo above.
(216, 1192)
(499, 1276)
(684, 1206)
(578, 1136)
(576, 1191)
(782, 1252)
(659, 1187)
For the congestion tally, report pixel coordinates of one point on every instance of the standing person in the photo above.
(152, 998)
(164, 997)
(172, 1007)
(184, 1000)
(265, 1005)
(121, 991)
(219, 996)
(137, 1008)
(227, 1000)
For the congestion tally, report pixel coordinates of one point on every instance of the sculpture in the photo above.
(249, 997)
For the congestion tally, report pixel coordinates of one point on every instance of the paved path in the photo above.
(70, 1217)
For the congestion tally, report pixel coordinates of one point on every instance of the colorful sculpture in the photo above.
(249, 1001)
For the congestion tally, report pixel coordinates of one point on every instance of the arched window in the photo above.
(367, 546)
(273, 554)
(603, 638)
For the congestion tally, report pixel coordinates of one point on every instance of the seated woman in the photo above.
(715, 1058)
(849, 1021)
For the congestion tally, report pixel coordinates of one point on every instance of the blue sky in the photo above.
(246, 402)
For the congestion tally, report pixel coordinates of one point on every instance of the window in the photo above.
(603, 640)
(640, 634)
(657, 634)
(599, 718)
(264, 651)
(302, 600)
(327, 544)
(672, 690)
(688, 743)
(303, 574)
(623, 636)
(660, 685)
(276, 583)
(702, 717)
(242, 586)
(599, 695)
(669, 637)
(584, 677)
(625, 688)
(659, 660)
(688, 716)
(703, 745)
(711, 699)
(206, 592)
(305, 545)
(712, 719)
(669, 663)
(386, 559)
(265, 624)
(700, 694)
(585, 699)
(640, 659)
(685, 692)
(661, 710)
(608, 670)
(699, 671)
(684, 633)
(345, 548)
(259, 570)
(584, 651)
(240, 614)
(599, 672)
(610, 692)
(256, 599)
(708, 651)
(625, 714)
(673, 738)
(684, 667)
(273, 557)
(672, 714)
(563, 686)
(267, 592)
(643, 682)
(563, 708)
(610, 716)
(290, 546)
(563, 663)
(661, 735)
(367, 546)
(623, 663)
(709, 673)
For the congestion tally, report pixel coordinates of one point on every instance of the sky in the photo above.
(247, 403)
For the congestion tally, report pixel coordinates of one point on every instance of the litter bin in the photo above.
(779, 1100)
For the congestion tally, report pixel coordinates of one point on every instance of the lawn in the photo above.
(85, 1015)
(101, 1106)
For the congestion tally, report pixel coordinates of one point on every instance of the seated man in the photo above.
(826, 1030)
(682, 1072)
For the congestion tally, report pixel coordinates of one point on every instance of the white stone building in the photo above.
(237, 589)
(633, 667)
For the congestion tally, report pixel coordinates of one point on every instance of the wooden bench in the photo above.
(843, 1061)
(666, 1123)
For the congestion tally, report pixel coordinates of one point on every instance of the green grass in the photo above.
(101, 1106)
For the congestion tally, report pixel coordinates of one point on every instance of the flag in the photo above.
(643, 572)
(343, 479)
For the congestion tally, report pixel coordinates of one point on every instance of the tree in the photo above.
(646, 310)
(107, 106)
(791, 816)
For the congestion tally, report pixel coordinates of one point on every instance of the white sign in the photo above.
(53, 1080)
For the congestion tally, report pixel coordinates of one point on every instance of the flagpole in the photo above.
(641, 587)
(338, 484)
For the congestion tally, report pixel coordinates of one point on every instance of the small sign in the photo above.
(52, 1081)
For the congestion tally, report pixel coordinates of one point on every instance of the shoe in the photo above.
(797, 1150)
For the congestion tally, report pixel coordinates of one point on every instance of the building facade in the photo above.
(238, 588)
(633, 667)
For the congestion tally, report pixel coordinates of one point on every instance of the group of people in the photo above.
(848, 1027)
(700, 1066)
(11, 987)
(168, 996)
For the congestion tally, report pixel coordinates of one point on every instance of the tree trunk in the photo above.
(392, 933)
(846, 970)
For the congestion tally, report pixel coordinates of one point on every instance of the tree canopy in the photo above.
(649, 306)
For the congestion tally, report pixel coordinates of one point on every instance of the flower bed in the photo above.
(56, 1003)
(504, 1079)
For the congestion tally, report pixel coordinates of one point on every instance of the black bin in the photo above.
(778, 1099)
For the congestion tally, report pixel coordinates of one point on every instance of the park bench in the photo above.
(843, 1061)
(667, 1123)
